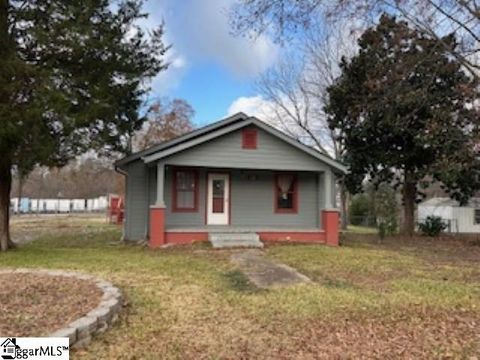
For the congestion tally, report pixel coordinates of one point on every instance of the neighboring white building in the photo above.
(97, 204)
(51, 206)
(78, 205)
(461, 219)
(14, 205)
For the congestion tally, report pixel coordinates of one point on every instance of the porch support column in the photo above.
(328, 190)
(329, 215)
(160, 185)
(157, 211)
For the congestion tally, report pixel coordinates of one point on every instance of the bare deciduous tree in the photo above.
(83, 178)
(168, 119)
(285, 88)
(438, 18)
(296, 93)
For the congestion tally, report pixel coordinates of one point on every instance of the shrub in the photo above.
(387, 227)
(432, 226)
(360, 210)
(386, 210)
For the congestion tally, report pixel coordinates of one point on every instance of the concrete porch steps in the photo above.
(234, 239)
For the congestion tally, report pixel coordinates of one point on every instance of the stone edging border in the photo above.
(96, 321)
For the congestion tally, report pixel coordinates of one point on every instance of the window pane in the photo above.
(185, 180)
(285, 183)
(285, 191)
(477, 216)
(285, 201)
(218, 188)
(185, 189)
(185, 199)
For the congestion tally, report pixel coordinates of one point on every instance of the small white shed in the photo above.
(461, 219)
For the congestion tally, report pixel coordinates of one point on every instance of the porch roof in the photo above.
(218, 129)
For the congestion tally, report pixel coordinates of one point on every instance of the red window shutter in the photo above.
(249, 138)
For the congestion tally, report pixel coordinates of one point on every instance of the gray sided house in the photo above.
(238, 175)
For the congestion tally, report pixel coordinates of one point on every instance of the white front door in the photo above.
(218, 194)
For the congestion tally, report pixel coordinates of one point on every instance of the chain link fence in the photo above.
(366, 221)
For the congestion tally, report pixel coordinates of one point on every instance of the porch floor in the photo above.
(240, 229)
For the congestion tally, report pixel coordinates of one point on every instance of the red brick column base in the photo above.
(157, 227)
(330, 218)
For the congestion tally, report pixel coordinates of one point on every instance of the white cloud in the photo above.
(254, 106)
(169, 79)
(276, 116)
(260, 108)
(178, 62)
(199, 30)
(266, 111)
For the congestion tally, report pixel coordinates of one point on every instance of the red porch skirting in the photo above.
(328, 235)
(294, 237)
(185, 237)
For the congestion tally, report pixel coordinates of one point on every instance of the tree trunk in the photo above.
(409, 197)
(344, 207)
(20, 189)
(5, 187)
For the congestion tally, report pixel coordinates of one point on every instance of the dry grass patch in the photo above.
(415, 333)
(25, 228)
(411, 300)
(34, 305)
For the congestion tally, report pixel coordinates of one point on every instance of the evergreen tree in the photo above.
(408, 114)
(72, 77)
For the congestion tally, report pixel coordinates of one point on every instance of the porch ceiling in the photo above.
(252, 168)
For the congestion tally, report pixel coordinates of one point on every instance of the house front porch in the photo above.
(287, 206)
(187, 235)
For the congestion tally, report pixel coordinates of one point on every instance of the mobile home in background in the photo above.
(59, 206)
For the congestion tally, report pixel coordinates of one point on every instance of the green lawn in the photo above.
(402, 298)
(361, 229)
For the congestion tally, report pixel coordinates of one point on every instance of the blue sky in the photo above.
(211, 90)
(210, 68)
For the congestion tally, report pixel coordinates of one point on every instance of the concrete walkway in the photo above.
(265, 273)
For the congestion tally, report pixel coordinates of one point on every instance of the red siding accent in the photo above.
(175, 207)
(294, 210)
(249, 138)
